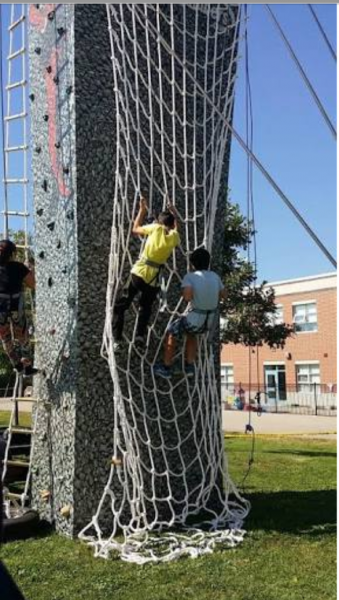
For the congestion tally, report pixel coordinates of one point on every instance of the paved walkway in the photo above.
(235, 421)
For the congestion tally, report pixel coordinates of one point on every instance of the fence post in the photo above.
(315, 398)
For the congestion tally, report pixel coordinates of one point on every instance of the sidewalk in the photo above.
(235, 421)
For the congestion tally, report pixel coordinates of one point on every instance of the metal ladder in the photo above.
(15, 128)
(16, 152)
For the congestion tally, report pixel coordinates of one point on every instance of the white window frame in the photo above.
(274, 319)
(309, 384)
(225, 381)
(305, 303)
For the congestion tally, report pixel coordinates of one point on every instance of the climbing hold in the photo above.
(56, 80)
(41, 254)
(50, 282)
(61, 30)
(69, 90)
(45, 117)
(37, 50)
(51, 15)
(40, 212)
(45, 185)
(66, 356)
(51, 225)
(32, 97)
(71, 302)
(64, 270)
(52, 331)
(66, 170)
(45, 495)
(116, 461)
(49, 69)
(58, 245)
(57, 145)
(37, 149)
(65, 511)
(70, 215)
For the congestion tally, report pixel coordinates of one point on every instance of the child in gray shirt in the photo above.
(202, 289)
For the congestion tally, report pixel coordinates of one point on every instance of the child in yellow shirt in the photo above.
(162, 238)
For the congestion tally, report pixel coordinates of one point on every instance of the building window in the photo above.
(277, 318)
(307, 375)
(305, 317)
(227, 376)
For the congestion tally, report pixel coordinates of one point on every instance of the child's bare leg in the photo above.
(191, 348)
(169, 349)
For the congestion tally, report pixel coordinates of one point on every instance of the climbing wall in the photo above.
(73, 188)
(73, 125)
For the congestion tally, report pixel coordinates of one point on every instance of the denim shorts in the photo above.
(181, 326)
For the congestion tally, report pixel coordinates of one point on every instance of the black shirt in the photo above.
(11, 277)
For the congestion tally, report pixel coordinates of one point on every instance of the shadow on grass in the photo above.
(310, 513)
(310, 453)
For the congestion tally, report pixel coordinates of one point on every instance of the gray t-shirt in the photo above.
(206, 286)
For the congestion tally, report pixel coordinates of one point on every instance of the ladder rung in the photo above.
(16, 53)
(15, 213)
(22, 246)
(16, 84)
(22, 399)
(15, 181)
(12, 496)
(16, 148)
(20, 430)
(17, 116)
(17, 463)
(16, 23)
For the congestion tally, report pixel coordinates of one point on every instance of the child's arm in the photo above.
(187, 293)
(137, 225)
(223, 294)
(171, 208)
(29, 280)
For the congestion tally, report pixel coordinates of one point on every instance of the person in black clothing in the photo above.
(13, 329)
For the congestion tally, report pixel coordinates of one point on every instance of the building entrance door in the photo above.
(275, 382)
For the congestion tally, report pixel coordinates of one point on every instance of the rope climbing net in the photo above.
(168, 491)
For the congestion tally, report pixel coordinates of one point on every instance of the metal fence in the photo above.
(307, 399)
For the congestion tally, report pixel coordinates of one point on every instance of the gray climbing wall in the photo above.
(72, 138)
(72, 108)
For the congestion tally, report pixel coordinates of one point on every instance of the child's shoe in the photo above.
(162, 371)
(30, 371)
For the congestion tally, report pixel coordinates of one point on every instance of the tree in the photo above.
(248, 312)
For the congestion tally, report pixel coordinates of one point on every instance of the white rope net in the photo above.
(168, 491)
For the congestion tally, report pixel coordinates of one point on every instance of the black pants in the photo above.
(147, 297)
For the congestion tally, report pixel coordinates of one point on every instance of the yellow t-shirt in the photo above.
(158, 248)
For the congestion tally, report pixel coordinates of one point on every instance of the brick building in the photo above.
(307, 364)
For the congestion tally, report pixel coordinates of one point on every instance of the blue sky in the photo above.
(290, 139)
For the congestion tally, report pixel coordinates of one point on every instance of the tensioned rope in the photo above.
(256, 161)
(323, 33)
(168, 465)
(303, 73)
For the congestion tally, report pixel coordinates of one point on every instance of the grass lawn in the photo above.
(288, 553)
(24, 418)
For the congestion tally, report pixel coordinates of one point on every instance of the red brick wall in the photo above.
(320, 345)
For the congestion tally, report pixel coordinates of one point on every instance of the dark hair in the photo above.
(166, 219)
(200, 259)
(7, 249)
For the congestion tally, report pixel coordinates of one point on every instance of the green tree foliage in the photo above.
(248, 312)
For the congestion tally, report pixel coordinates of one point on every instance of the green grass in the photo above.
(24, 418)
(288, 553)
